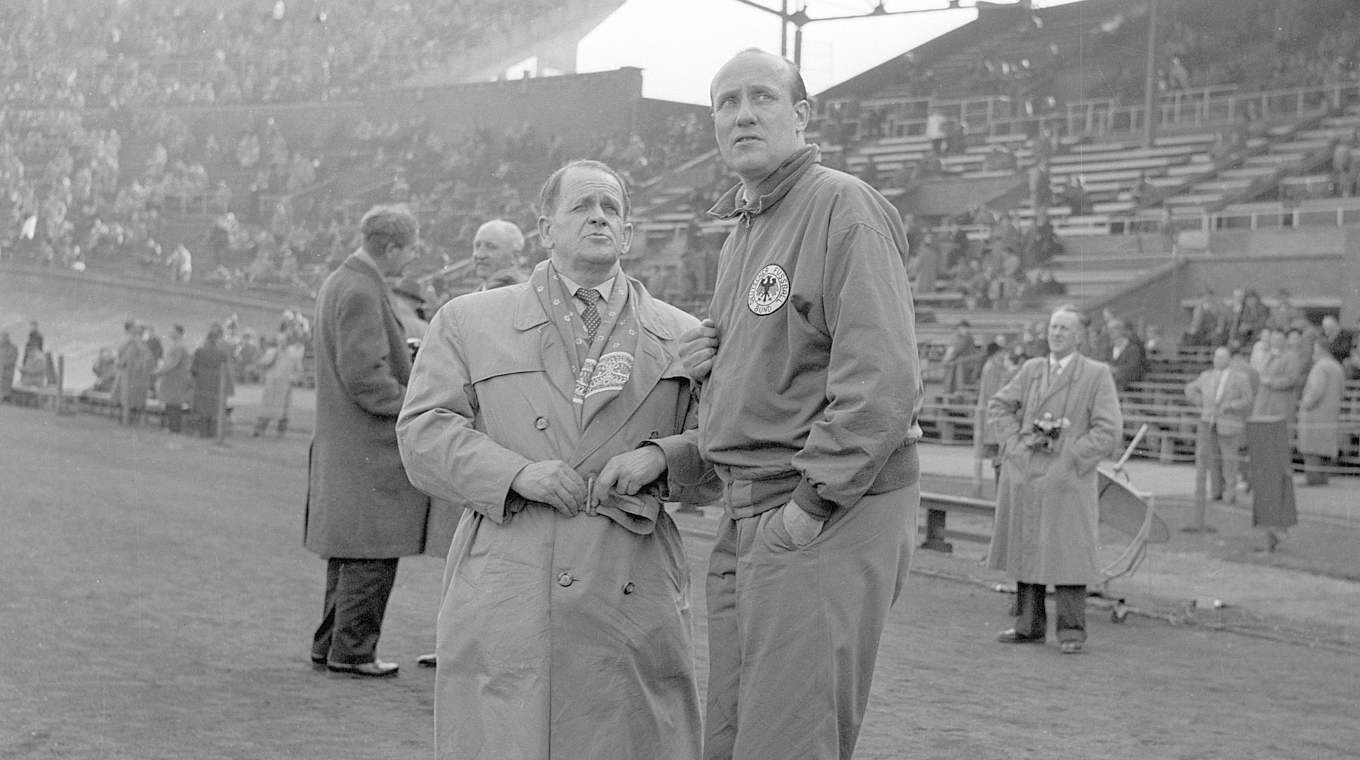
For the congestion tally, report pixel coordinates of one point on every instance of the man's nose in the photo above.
(746, 115)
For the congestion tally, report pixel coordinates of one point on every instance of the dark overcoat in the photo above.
(360, 505)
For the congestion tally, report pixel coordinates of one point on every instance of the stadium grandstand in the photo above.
(1037, 156)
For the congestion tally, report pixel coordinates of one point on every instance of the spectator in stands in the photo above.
(181, 264)
(1040, 188)
(1260, 350)
(999, 366)
(174, 388)
(961, 358)
(937, 126)
(497, 255)
(1074, 196)
(1339, 341)
(927, 264)
(213, 381)
(1285, 314)
(9, 359)
(282, 364)
(363, 365)
(1047, 284)
(135, 366)
(1127, 357)
(33, 370)
(1250, 316)
(1056, 419)
(1280, 381)
(1141, 190)
(1319, 410)
(1170, 233)
(1224, 397)
(34, 344)
(1352, 363)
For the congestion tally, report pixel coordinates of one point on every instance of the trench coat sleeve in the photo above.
(1107, 422)
(688, 479)
(361, 355)
(1314, 388)
(444, 454)
(1003, 409)
(873, 385)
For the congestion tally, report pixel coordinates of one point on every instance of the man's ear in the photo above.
(545, 232)
(802, 114)
(627, 241)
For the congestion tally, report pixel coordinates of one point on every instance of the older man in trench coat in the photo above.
(1056, 419)
(362, 511)
(564, 629)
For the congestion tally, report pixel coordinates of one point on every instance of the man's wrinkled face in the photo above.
(1064, 333)
(756, 121)
(588, 226)
(493, 249)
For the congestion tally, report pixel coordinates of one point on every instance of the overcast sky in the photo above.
(679, 44)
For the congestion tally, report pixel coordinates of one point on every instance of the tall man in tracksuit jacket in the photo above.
(808, 414)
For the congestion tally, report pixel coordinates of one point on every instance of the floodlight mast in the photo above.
(800, 19)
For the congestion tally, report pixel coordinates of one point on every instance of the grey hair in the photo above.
(552, 188)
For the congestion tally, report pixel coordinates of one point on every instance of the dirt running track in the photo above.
(155, 603)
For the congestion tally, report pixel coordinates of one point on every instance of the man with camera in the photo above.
(1056, 419)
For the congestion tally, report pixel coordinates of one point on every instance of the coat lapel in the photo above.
(1060, 383)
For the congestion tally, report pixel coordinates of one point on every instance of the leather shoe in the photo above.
(1072, 647)
(319, 659)
(375, 669)
(427, 660)
(1012, 636)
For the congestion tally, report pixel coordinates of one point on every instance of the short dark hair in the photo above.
(551, 192)
(387, 225)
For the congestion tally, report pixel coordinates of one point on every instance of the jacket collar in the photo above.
(771, 189)
(528, 312)
(360, 261)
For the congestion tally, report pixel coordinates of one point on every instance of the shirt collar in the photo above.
(605, 289)
(1062, 363)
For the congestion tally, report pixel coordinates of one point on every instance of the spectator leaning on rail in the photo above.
(570, 596)
(362, 512)
(814, 441)
(1056, 419)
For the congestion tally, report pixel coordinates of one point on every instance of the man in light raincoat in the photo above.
(564, 629)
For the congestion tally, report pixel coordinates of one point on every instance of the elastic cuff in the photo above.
(811, 502)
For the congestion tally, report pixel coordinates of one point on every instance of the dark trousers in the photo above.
(174, 414)
(1032, 616)
(356, 598)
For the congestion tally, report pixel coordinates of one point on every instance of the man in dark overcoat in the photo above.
(362, 511)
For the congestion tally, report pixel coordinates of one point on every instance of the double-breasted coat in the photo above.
(1047, 514)
(1320, 407)
(557, 636)
(360, 504)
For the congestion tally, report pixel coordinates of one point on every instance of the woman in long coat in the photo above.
(135, 366)
(206, 369)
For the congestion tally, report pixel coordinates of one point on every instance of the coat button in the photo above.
(541, 423)
(628, 587)
(564, 580)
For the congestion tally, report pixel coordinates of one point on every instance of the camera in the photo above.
(1046, 432)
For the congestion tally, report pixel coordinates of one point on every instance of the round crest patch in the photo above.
(769, 290)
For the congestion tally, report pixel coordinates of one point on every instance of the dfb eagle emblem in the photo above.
(769, 290)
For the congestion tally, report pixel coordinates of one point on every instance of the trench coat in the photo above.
(360, 504)
(176, 387)
(285, 366)
(135, 366)
(1046, 506)
(205, 371)
(1320, 408)
(557, 636)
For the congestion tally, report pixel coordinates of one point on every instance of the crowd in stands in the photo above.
(111, 53)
